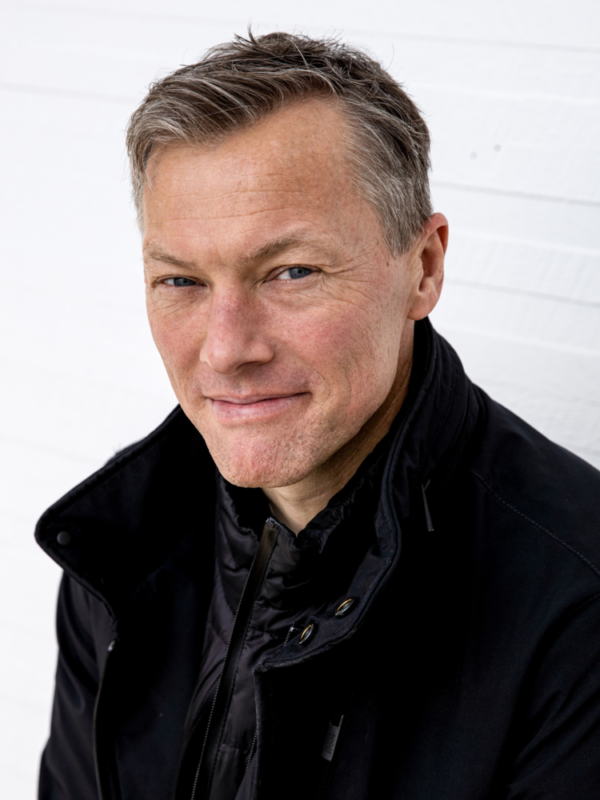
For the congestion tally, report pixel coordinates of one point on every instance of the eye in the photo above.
(179, 282)
(293, 273)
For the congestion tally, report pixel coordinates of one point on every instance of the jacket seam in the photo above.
(219, 634)
(537, 525)
(586, 603)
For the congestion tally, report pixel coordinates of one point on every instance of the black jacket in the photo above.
(250, 618)
(468, 668)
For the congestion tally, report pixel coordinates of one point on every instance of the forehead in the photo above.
(289, 170)
(304, 137)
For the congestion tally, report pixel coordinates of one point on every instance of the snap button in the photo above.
(345, 607)
(307, 633)
(64, 537)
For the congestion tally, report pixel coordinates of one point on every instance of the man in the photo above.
(339, 569)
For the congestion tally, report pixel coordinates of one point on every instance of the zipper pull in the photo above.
(292, 630)
(331, 739)
(428, 520)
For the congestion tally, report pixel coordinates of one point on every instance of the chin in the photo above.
(265, 465)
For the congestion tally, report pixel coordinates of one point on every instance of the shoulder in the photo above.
(547, 495)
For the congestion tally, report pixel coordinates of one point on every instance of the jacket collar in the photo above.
(125, 519)
(431, 435)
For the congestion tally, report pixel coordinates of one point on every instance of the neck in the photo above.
(296, 505)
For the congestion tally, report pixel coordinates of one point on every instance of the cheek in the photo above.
(177, 336)
(354, 353)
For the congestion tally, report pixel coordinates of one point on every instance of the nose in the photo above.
(236, 334)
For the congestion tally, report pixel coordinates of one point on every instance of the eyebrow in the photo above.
(266, 251)
(156, 254)
(274, 248)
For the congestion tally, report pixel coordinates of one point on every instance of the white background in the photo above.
(511, 91)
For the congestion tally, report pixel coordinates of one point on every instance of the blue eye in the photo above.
(180, 282)
(294, 273)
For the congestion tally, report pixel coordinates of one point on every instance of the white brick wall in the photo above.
(511, 89)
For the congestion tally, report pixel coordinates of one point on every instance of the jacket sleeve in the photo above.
(559, 757)
(67, 766)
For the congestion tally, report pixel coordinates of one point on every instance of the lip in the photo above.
(252, 408)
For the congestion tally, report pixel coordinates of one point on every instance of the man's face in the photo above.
(272, 298)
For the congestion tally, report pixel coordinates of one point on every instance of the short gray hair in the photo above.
(238, 83)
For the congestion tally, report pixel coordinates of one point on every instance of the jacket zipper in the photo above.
(292, 629)
(212, 707)
(253, 583)
(102, 781)
(194, 727)
(252, 749)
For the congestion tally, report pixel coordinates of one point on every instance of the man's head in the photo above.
(288, 246)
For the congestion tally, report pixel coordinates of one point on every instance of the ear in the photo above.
(428, 264)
